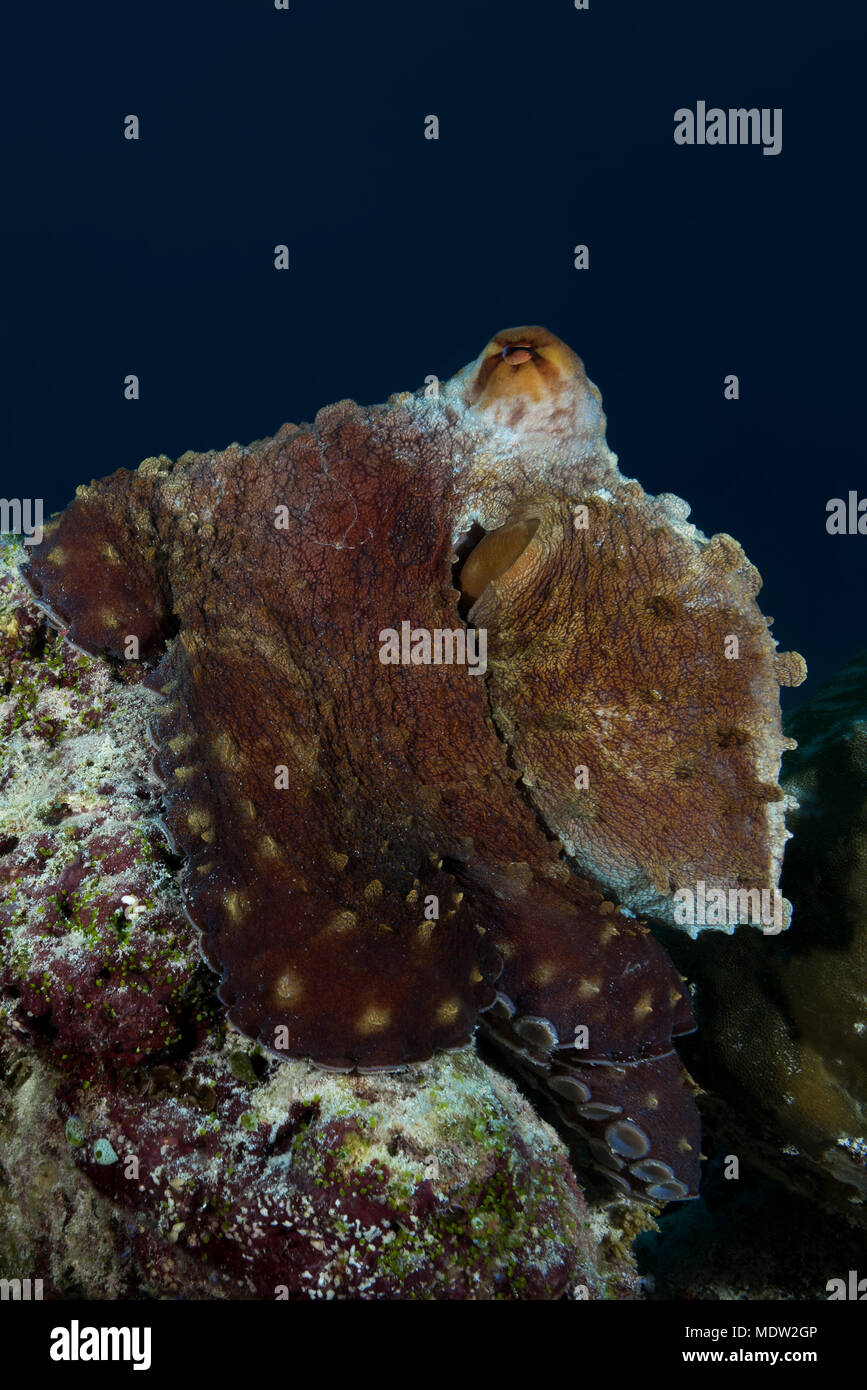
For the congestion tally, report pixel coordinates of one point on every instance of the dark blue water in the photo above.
(306, 127)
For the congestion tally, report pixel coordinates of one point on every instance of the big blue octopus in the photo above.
(382, 852)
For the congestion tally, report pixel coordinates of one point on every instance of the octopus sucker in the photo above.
(383, 850)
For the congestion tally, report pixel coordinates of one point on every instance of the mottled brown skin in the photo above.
(665, 724)
(320, 796)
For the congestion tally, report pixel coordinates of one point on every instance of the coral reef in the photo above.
(367, 830)
(747, 1240)
(783, 1041)
(149, 1150)
(206, 1179)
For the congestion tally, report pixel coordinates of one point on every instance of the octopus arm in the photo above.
(99, 572)
(309, 887)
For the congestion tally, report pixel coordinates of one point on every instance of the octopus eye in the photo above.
(495, 553)
(516, 353)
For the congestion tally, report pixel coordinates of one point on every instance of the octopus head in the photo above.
(527, 380)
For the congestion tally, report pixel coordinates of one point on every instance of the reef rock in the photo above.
(148, 1151)
(783, 1035)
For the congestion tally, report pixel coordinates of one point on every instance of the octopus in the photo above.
(444, 707)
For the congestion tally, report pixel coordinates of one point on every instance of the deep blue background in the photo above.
(306, 127)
